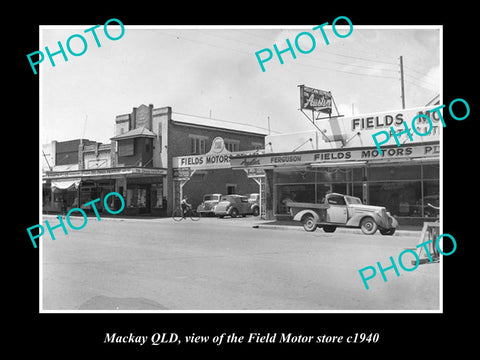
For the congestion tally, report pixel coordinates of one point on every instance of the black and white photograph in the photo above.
(288, 185)
(223, 187)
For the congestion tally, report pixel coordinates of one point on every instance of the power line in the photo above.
(356, 65)
(420, 80)
(420, 85)
(347, 72)
(358, 57)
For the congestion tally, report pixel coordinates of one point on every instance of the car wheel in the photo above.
(309, 223)
(329, 228)
(234, 213)
(387, 231)
(368, 226)
(256, 211)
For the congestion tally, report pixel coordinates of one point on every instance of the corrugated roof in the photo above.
(196, 120)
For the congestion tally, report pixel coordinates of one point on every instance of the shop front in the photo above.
(403, 179)
(142, 189)
(197, 175)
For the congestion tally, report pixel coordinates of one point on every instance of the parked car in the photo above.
(254, 200)
(208, 203)
(339, 210)
(233, 205)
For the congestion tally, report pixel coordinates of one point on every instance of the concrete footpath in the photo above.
(250, 221)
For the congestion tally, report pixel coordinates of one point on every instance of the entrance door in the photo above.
(337, 212)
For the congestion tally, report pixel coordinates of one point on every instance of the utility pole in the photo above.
(401, 80)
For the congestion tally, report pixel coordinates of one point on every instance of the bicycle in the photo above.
(179, 215)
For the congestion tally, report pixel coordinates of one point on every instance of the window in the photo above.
(126, 147)
(336, 200)
(231, 189)
(198, 145)
(257, 145)
(232, 145)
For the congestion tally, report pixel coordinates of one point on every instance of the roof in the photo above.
(200, 121)
(138, 132)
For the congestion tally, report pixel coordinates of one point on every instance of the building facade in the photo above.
(141, 163)
(343, 158)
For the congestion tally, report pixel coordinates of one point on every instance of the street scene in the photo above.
(227, 264)
(291, 159)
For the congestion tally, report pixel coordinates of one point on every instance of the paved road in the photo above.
(225, 264)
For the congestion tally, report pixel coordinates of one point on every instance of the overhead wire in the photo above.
(302, 63)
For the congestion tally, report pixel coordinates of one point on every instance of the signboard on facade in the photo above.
(183, 173)
(341, 155)
(315, 99)
(357, 131)
(217, 158)
(369, 124)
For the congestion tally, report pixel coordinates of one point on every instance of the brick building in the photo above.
(147, 162)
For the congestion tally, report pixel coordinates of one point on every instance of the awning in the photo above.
(69, 184)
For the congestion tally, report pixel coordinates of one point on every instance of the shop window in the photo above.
(333, 174)
(295, 176)
(136, 197)
(157, 196)
(431, 171)
(296, 193)
(410, 172)
(130, 198)
(322, 190)
(142, 197)
(431, 195)
(358, 173)
(400, 198)
(358, 191)
(342, 188)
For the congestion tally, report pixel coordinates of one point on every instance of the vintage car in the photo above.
(233, 205)
(339, 210)
(208, 203)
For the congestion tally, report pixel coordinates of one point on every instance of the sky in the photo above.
(213, 72)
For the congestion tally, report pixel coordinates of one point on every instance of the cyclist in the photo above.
(185, 206)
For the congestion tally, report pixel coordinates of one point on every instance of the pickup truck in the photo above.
(339, 210)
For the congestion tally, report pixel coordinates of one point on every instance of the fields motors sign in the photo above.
(217, 158)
